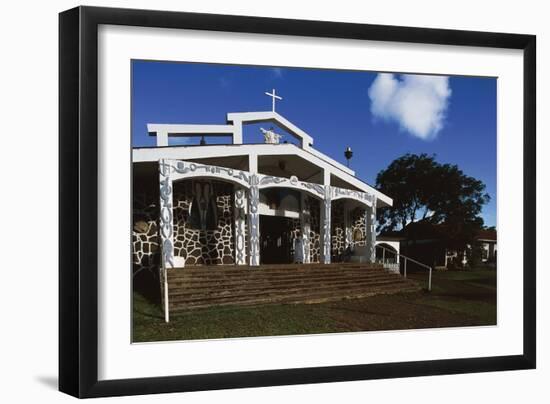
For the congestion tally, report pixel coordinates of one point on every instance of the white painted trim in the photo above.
(305, 139)
(266, 210)
(252, 163)
(197, 152)
(165, 131)
(396, 245)
(184, 129)
(250, 117)
(357, 196)
(292, 183)
(199, 174)
(329, 160)
(326, 176)
(187, 169)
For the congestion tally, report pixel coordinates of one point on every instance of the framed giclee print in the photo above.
(253, 201)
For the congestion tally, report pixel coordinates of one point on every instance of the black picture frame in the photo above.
(78, 196)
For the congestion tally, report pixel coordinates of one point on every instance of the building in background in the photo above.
(431, 244)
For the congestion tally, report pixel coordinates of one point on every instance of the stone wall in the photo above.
(338, 228)
(216, 246)
(198, 246)
(315, 229)
(295, 232)
(145, 237)
(358, 227)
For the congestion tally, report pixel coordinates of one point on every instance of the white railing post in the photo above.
(405, 260)
(166, 303)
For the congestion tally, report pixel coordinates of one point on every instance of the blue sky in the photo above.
(381, 117)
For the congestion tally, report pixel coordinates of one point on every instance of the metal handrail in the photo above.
(384, 249)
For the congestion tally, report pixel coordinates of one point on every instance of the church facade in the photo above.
(274, 202)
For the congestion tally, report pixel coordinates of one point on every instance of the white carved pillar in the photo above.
(240, 225)
(325, 225)
(347, 226)
(166, 230)
(254, 221)
(305, 227)
(166, 215)
(370, 227)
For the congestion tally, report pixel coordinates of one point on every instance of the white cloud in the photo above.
(417, 103)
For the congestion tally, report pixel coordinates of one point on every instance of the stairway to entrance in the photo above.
(207, 286)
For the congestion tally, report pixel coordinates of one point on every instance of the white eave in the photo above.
(153, 154)
(306, 141)
(234, 128)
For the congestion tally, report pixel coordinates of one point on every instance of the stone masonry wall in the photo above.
(145, 237)
(204, 247)
(216, 246)
(294, 233)
(358, 227)
(198, 247)
(315, 229)
(338, 228)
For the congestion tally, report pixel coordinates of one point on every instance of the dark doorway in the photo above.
(275, 240)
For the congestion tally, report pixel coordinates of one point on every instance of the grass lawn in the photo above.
(458, 298)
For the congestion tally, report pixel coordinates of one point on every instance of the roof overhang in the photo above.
(154, 154)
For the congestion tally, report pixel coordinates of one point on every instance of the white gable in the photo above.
(238, 118)
(234, 128)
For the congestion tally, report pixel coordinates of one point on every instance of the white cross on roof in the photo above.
(273, 96)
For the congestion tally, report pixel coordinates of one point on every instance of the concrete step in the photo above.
(269, 268)
(282, 266)
(212, 274)
(235, 281)
(261, 292)
(297, 298)
(280, 282)
(201, 287)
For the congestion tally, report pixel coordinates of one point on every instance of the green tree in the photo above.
(423, 189)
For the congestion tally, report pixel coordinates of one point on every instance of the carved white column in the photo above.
(305, 227)
(254, 221)
(325, 225)
(166, 230)
(166, 215)
(370, 227)
(347, 226)
(240, 225)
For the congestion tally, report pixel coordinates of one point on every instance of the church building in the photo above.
(248, 204)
